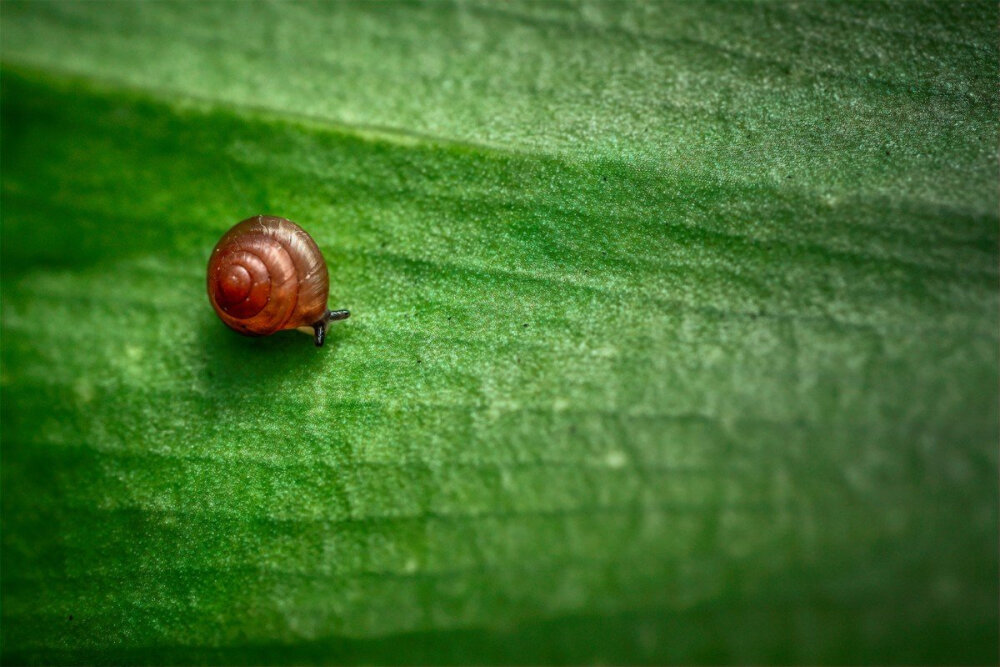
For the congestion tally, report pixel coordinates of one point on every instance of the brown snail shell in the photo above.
(266, 274)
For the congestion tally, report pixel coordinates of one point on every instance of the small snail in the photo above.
(266, 274)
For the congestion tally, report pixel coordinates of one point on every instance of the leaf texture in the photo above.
(674, 334)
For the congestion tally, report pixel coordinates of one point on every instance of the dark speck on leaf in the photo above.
(525, 325)
(70, 617)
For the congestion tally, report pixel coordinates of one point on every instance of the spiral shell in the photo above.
(266, 274)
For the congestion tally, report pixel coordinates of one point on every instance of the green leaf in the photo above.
(674, 335)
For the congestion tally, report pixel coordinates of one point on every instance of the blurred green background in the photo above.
(675, 333)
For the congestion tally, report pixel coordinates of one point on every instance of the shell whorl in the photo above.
(267, 274)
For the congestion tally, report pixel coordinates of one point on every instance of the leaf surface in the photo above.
(674, 334)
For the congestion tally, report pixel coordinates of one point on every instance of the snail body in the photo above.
(266, 274)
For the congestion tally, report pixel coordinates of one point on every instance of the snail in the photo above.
(266, 274)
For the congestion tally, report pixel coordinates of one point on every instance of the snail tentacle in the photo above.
(320, 335)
